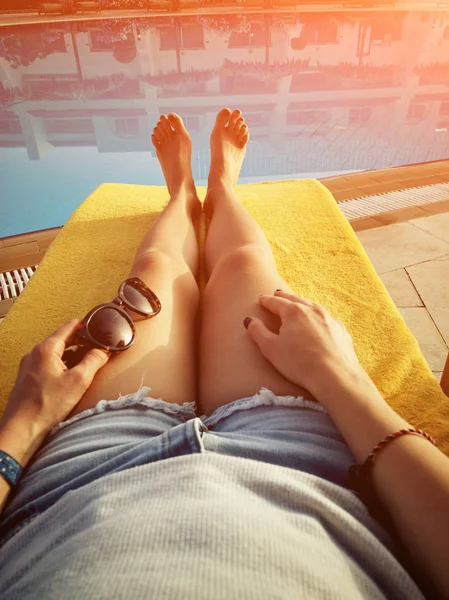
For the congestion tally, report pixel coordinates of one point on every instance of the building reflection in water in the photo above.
(321, 93)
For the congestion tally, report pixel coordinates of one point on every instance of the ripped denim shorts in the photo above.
(136, 429)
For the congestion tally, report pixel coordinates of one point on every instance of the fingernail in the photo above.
(279, 290)
(246, 322)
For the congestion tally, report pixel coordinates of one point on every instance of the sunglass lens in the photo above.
(110, 328)
(140, 298)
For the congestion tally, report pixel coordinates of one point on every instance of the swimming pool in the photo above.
(322, 93)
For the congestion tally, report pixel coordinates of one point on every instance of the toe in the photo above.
(233, 118)
(244, 140)
(176, 122)
(223, 116)
(161, 131)
(166, 127)
(238, 124)
(157, 136)
(242, 131)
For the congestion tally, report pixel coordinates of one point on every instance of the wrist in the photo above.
(358, 410)
(337, 380)
(21, 439)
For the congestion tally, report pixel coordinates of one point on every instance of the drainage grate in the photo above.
(388, 201)
(13, 282)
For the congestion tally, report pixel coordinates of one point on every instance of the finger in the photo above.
(261, 335)
(24, 360)
(293, 298)
(276, 305)
(90, 364)
(62, 337)
(281, 302)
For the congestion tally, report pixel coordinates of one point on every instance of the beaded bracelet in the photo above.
(359, 474)
(9, 468)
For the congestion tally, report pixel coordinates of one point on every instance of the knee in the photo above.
(246, 258)
(241, 262)
(160, 265)
(153, 259)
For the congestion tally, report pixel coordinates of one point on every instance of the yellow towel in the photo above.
(317, 254)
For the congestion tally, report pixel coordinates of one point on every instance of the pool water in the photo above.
(322, 93)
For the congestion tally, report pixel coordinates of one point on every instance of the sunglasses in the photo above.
(108, 326)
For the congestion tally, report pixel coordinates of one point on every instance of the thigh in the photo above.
(164, 354)
(230, 364)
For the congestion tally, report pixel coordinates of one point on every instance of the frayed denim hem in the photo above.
(187, 410)
(264, 397)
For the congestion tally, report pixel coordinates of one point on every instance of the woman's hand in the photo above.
(310, 345)
(46, 391)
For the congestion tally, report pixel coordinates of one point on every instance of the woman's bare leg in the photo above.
(240, 266)
(164, 354)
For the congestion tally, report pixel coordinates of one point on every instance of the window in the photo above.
(444, 109)
(257, 35)
(327, 32)
(10, 126)
(416, 111)
(320, 34)
(387, 27)
(190, 38)
(191, 122)
(100, 42)
(53, 42)
(168, 38)
(126, 126)
(359, 115)
(256, 119)
(69, 126)
(305, 117)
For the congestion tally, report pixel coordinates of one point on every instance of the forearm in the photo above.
(410, 476)
(21, 441)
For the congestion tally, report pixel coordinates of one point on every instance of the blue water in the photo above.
(322, 93)
(52, 188)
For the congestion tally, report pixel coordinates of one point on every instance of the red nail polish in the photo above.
(246, 322)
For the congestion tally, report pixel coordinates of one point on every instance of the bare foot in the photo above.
(228, 147)
(174, 150)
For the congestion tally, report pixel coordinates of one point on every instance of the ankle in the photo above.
(220, 182)
(184, 187)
